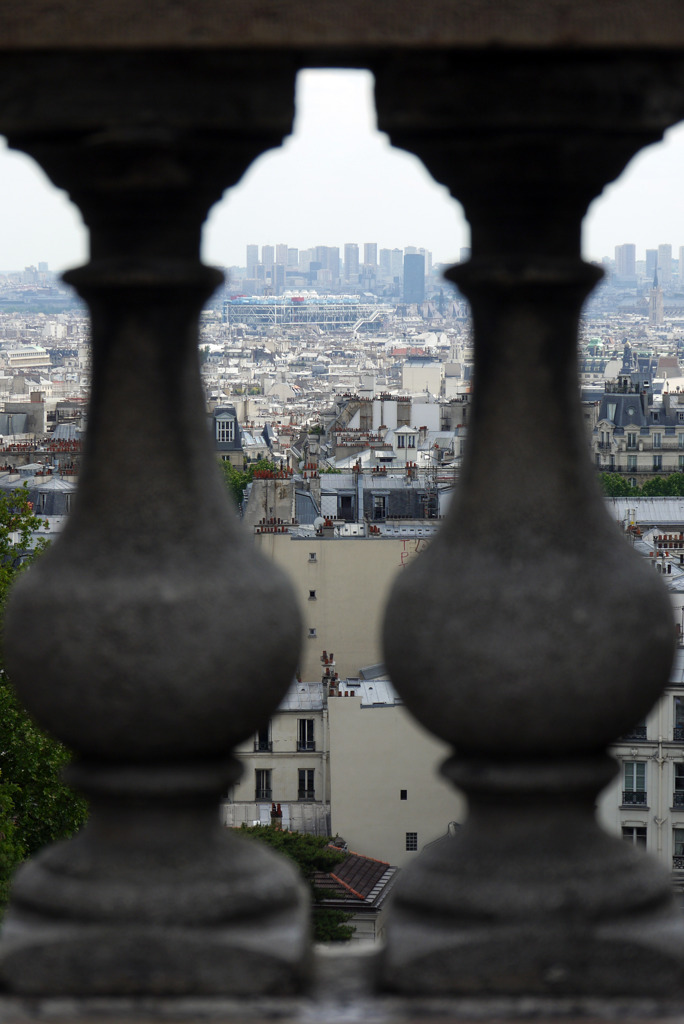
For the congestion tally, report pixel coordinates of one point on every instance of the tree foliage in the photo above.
(237, 480)
(310, 854)
(616, 486)
(35, 807)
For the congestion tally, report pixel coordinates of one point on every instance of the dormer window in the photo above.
(225, 430)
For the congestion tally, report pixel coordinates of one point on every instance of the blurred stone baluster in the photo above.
(158, 638)
(529, 635)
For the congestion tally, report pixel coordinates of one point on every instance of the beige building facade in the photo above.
(388, 799)
(342, 584)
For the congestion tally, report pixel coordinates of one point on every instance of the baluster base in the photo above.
(155, 897)
(533, 897)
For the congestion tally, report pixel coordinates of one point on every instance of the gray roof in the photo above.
(373, 692)
(303, 697)
(661, 512)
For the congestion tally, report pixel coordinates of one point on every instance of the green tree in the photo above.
(237, 480)
(615, 486)
(310, 854)
(35, 807)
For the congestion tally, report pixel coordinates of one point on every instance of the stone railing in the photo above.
(169, 641)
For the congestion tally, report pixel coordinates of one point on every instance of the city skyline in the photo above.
(337, 180)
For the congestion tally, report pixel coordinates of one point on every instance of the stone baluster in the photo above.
(158, 639)
(529, 635)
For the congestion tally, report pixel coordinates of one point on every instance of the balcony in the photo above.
(678, 734)
(637, 734)
(604, 446)
(634, 798)
(263, 746)
(678, 862)
(678, 798)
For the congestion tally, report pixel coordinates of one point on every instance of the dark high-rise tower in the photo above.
(414, 277)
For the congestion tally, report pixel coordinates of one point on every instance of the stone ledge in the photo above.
(353, 24)
(341, 993)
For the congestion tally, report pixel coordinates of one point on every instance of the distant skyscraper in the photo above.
(334, 261)
(625, 260)
(370, 254)
(397, 262)
(665, 264)
(252, 260)
(681, 264)
(386, 262)
(306, 257)
(414, 277)
(651, 263)
(281, 252)
(655, 302)
(293, 257)
(267, 256)
(351, 260)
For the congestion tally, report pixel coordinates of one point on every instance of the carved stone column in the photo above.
(529, 635)
(159, 638)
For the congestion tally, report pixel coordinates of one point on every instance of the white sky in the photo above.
(337, 180)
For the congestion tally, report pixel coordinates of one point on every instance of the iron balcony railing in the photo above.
(634, 797)
(263, 794)
(262, 746)
(678, 798)
(678, 862)
(306, 745)
(638, 733)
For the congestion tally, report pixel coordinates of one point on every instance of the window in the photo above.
(657, 440)
(312, 634)
(412, 841)
(312, 556)
(632, 481)
(634, 792)
(306, 784)
(225, 430)
(678, 733)
(681, 463)
(68, 502)
(312, 595)
(635, 834)
(680, 438)
(678, 795)
(631, 462)
(262, 740)
(678, 848)
(305, 734)
(403, 794)
(657, 462)
(379, 506)
(401, 441)
(345, 507)
(263, 784)
(632, 440)
(411, 441)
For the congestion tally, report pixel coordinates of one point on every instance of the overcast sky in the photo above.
(337, 180)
